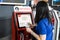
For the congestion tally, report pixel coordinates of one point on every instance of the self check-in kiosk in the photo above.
(22, 15)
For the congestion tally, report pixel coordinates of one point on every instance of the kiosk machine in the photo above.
(21, 16)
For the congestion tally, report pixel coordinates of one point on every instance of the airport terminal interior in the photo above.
(10, 9)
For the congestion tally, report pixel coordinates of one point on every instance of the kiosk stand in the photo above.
(22, 15)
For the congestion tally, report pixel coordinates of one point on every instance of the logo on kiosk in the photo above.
(17, 8)
(22, 9)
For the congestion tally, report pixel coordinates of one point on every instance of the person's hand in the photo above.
(32, 25)
(28, 30)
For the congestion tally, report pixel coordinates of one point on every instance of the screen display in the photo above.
(56, 2)
(21, 2)
(24, 19)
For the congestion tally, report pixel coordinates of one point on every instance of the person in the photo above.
(44, 25)
(35, 3)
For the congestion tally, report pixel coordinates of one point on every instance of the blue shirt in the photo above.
(44, 27)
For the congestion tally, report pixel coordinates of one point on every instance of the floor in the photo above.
(6, 38)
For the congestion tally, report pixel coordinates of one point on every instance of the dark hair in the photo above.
(42, 11)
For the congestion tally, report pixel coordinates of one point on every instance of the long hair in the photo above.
(42, 11)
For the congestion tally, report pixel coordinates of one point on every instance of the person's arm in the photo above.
(38, 37)
(43, 37)
(35, 35)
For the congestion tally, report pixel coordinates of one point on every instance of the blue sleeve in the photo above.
(41, 28)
